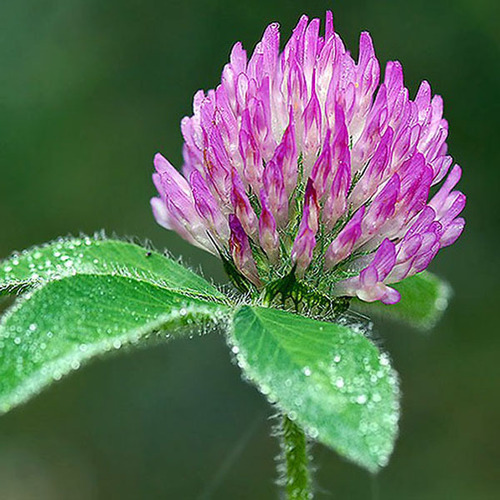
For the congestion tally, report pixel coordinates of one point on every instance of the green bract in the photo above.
(83, 297)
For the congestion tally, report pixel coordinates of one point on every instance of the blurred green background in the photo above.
(89, 91)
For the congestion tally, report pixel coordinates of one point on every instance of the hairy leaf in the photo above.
(327, 377)
(56, 328)
(67, 257)
(424, 298)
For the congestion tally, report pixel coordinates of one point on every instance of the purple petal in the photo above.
(242, 207)
(305, 241)
(375, 172)
(208, 208)
(452, 232)
(322, 168)
(274, 187)
(341, 247)
(285, 157)
(268, 233)
(241, 252)
(382, 208)
(439, 199)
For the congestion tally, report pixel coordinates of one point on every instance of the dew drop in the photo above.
(313, 432)
(265, 389)
(361, 399)
(441, 303)
(384, 359)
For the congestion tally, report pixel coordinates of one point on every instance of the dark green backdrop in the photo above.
(89, 91)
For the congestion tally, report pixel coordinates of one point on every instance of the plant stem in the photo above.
(295, 469)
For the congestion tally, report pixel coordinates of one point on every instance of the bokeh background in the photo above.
(89, 91)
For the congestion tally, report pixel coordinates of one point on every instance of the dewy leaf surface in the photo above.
(54, 329)
(67, 257)
(424, 298)
(328, 377)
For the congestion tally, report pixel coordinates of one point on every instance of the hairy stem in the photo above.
(294, 467)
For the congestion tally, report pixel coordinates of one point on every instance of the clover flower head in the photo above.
(306, 161)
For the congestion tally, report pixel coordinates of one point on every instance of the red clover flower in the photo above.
(302, 161)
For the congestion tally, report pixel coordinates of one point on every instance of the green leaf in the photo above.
(327, 377)
(424, 298)
(67, 257)
(56, 328)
